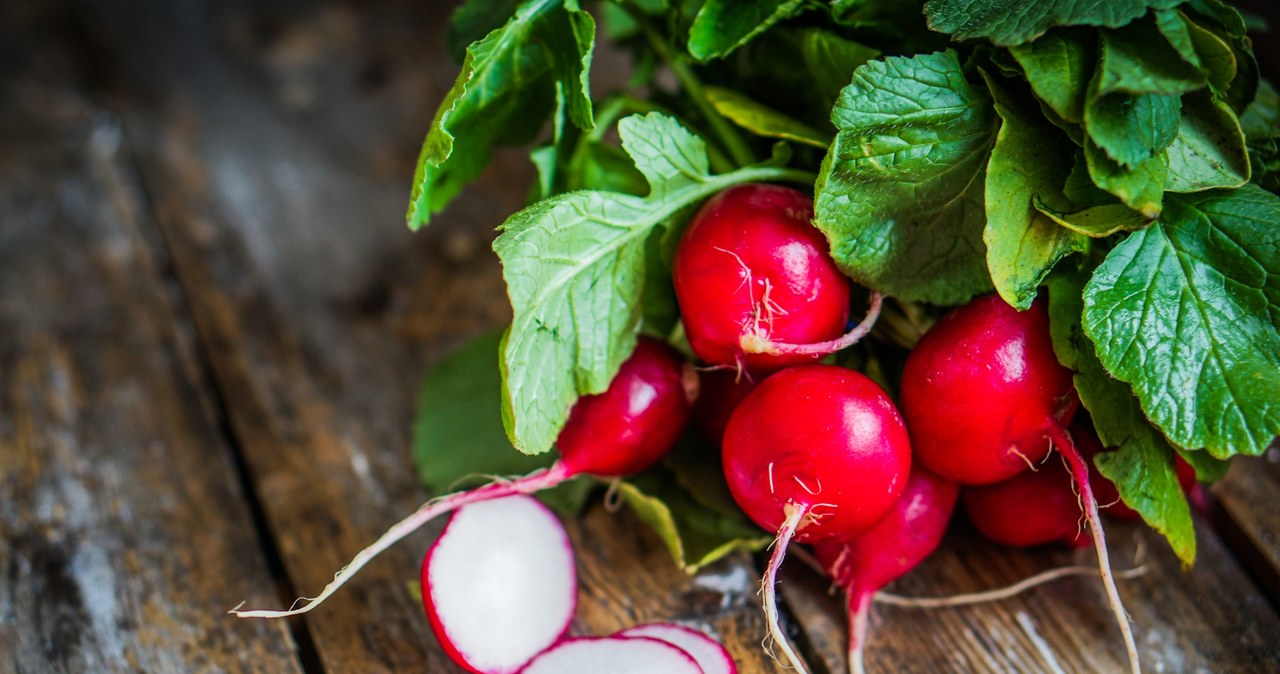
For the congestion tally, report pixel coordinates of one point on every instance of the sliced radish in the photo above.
(613, 655)
(500, 585)
(710, 655)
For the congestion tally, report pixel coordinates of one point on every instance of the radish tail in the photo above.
(795, 513)
(533, 482)
(1080, 470)
(754, 342)
(859, 610)
(971, 598)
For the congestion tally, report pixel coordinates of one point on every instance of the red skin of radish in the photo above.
(982, 392)
(894, 546)
(630, 426)
(719, 394)
(749, 244)
(1105, 490)
(710, 654)
(826, 435)
(1031, 508)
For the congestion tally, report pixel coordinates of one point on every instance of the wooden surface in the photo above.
(212, 327)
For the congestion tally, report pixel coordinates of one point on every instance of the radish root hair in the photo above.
(795, 514)
(998, 594)
(533, 482)
(755, 341)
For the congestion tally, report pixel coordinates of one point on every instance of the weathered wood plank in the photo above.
(1245, 513)
(279, 180)
(124, 534)
(1211, 618)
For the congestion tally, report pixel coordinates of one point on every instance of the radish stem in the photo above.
(755, 342)
(794, 514)
(859, 602)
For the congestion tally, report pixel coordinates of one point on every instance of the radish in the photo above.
(898, 543)
(1031, 508)
(499, 585)
(756, 285)
(707, 652)
(814, 452)
(1105, 490)
(613, 655)
(982, 393)
(719, 393)
(624, 430)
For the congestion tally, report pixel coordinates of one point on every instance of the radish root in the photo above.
(757, 342)
(859, 611)
(528, 484)
(1080, 470)
(986, 596)
(795, 513)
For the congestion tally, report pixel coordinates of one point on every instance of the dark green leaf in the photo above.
(1132, 128)
(900, 194)
(457, 434)
(575, 267)
(830, 60)
(1142, 464)
(762, 120)
(473, 20)
(1029, 160)
(1140, 188)
(1138, 60)
(1079, 187)
(1209, 151)
(503, 95)
(1187, 311)
(1097, 221)
(1012, 22)
(1261, 125)
(724, 25)
(1058, 66)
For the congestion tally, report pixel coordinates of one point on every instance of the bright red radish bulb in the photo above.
(499, 585)
(626, 429)
(898, 543)
(754, 278)
(1031, 508)
(982, 392)
(710, 654)
(814, 452)
(615, 655)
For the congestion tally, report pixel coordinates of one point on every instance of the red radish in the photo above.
(814, 452)
(707, 652)
(983, 392)
(624, 430)
(613, 655)
(1032, 508)
(719, 392)
(898, 543)
(499, 585)
(1105, 490)
(756, 284)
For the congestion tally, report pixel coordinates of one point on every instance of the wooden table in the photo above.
(212, 327)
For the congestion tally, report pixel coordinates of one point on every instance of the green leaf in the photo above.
(575, 270)
(1079, 187)
(900, 193)
(1139, 60)
(1029, 160)
(1142, 465)
(1140, 188)
(1209, 151)
(762, 120)
(722, 26)
(1187, 311)
(473, 20)
(830, 60)
(503, 95)
(1261, 125)
(1058, 66)
(1132, 128)
(1097, 221)
(1012, 22)
(695, 535)
(457, 433)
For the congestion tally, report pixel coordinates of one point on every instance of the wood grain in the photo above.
(124, 534)
(1246, 516)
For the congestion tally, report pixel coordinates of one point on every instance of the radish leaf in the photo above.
(722, 26)
(1011, 22)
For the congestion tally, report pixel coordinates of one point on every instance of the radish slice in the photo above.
(613, 655)
(500, 585)
(709, 653)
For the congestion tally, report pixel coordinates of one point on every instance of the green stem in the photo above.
(727, 134)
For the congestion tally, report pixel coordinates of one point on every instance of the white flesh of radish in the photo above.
(709, 653)
(613, 655)
(501, 583)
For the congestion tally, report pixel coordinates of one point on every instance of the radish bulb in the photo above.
(710, 654)
(814, 452)
(613, 655)
(895, 545)
(624, 430)
(499, 585)
(756, 284)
